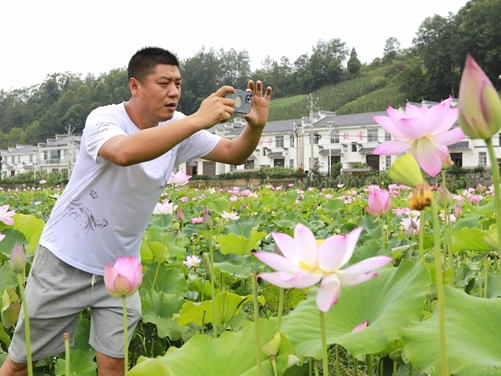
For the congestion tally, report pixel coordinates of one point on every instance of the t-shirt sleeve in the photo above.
(99, 128)
(198, 145)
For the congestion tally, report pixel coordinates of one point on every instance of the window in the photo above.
(335, 137)
(279, 141)
(233, 168)
(291, 163)
(317, 138)
(482, 159)
(388, 162)
(31, 158)
(457, 158)
(372, 135)
(354, 146)
(249, 165)
(387, 136)
(291, 140)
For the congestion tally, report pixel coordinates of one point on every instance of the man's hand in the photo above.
(258, 115)
(215, 108)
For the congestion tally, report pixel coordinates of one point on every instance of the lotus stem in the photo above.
(280, 307)
(274, 365)
(338, 371)
(67, 351)
(315, 367)
(325, 360)
(383, 238)
(26, 325)
(495, 182)
(486, 274)
(256, 325)
(126, 342)
(212, 284)
(440, 289)
(421, 234)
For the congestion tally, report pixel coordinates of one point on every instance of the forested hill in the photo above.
(430, 68)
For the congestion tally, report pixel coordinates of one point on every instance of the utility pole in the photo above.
(69, 129)
(312, 139)
(298, 130)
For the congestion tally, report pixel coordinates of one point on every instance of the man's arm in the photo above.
(151, 143)
(237, 151)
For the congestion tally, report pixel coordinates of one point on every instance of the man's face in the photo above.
(161, 91)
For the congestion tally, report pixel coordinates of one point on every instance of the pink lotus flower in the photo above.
(124, 278)
(425, 132)
(17, 259)
(306, 263)
(164, 208)
(379, 202)
(179, 178)
(192, 261)
(6, 216)
(479, 103)
(230, 216)
(197, 220)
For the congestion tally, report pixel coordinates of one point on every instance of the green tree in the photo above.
(391, 50)
(235, 68)
(437, 43)
(201, 76)
(480, 35)
(353, 63)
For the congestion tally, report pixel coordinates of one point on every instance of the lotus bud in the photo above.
(180, 215)
(479, 103)
(405, 170)
(448, 163)
(443, 199)
(457, 211)
(207, 219)
(17, 259)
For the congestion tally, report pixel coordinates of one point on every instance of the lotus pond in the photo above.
(206, 313)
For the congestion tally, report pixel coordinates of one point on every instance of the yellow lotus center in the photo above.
(315, 269)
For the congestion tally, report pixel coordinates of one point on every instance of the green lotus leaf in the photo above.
(80, 364)
(470, 239)
(388, 302)
(159, 308)
(169, 280)
(10, 308)
(239, 245)
(233, 353)
(473, 337)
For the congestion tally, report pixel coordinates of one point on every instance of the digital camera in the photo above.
(243, 101)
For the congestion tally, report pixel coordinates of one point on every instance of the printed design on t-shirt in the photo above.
(161, 170)
(84, 217)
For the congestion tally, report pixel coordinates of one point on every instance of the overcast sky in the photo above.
(39, 38)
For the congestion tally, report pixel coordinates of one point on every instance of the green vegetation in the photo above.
(335, 78)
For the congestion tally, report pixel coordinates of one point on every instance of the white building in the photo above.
(349, 139)
(56, 154)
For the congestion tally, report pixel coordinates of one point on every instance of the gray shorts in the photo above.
(56, 294)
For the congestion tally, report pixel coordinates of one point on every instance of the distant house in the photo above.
(56, 154)
(348, 139)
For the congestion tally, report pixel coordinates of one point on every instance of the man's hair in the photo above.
(145, 61)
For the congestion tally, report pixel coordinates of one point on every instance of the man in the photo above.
(126, 157)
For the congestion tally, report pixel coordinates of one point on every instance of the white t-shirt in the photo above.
(105, 208)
